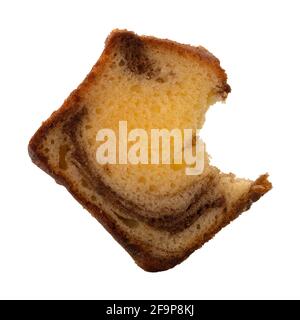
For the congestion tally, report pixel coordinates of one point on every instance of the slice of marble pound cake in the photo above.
(157, 212)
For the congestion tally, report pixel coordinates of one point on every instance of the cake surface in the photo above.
(157, 212)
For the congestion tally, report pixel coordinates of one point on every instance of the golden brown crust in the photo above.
(137, 250)
(199, 53)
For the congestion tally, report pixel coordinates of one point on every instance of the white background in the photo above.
(50, 247)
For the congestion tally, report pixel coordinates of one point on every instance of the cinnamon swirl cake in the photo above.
(157, 212)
